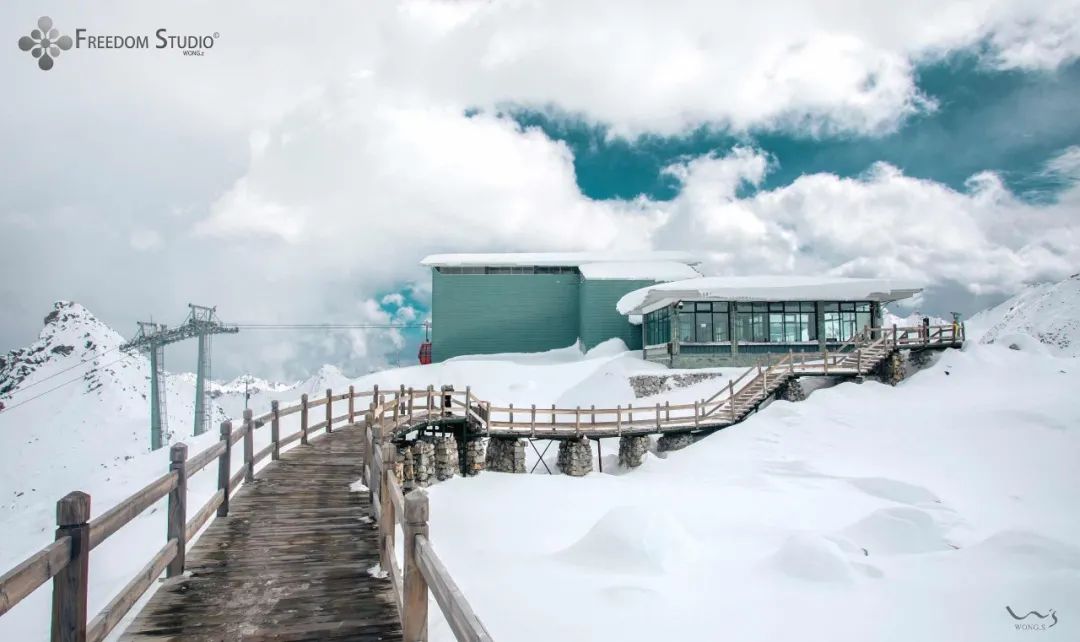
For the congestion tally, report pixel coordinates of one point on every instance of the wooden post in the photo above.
(415, 594)
(387, 521)
(411, 395)
(731, 399)
(352, 408)
(592, 413)
(658, 415)
(511, 413)
(430, 399)
(791, 361)
(618, 419)
(532, 419)
(329, 411)
(224, 468)
(553, 415)
(695, 413)
(70, 585)
(275, 429)
(667, 411)
(303, 419)
(858, 360)
(375, 393)
(825, 360)
(630, 414)
(468, 399)
(895, 336)
(249, 447)
(177, 515)
(577, 421)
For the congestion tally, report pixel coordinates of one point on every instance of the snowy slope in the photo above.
(958, 484)
(1049, 313)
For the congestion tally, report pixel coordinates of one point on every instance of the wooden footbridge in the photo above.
(294, 555)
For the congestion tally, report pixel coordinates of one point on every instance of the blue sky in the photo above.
(935, 141)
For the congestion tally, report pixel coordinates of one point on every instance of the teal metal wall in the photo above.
(598, 319)
(490, 313)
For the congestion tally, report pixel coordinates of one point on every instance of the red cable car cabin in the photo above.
(425, 353)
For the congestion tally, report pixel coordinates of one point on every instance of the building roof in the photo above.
(638, 270)
(568, 259)
(766, 288)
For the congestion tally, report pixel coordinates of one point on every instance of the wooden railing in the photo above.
(66, 560)
(422, 570)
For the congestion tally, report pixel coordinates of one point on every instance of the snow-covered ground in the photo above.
(864, 513)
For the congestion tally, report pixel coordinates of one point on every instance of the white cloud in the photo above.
(880, 224)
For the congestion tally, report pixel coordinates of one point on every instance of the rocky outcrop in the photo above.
(667, 443)
(650, 385)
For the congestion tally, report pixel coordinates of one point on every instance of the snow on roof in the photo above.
(639, 270)
(766, 288)
(567, 259)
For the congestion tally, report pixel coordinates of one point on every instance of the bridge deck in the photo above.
(290, 561)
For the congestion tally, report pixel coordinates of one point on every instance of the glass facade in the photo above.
(658, 327)
(704, 322)
(843, 320)
(517, 269)
(783, 322)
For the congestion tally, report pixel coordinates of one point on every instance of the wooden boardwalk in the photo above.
(289, 562)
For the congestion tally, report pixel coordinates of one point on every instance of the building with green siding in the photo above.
(532, 302)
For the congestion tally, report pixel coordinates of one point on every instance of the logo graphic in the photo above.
(1040, 626)
(45, 43)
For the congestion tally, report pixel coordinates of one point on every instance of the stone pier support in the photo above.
(575, 457)
(667, 443)
(474, 455)
(403, 468)
(446, 457)
(423, 453)
(791, 390)
(506, 455)
(892, 369)
(632, 449)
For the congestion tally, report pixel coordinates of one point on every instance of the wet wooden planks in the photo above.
(290, 562)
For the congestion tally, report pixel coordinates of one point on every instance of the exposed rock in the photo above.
(650, 385)
(891, 370)
(446, 457)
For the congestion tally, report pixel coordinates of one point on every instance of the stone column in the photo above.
(506, 455)
(446, 457)
(892, 369)
(667, 443)
(791, 390)
(632, 449)
(405, 470)
(423, 463)
(575, 457)
(474, 456)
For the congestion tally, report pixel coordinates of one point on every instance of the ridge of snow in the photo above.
(1048, 312)
(638, 270)
(568, 259)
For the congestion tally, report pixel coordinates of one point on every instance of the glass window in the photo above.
(687, 333)
(844, 320)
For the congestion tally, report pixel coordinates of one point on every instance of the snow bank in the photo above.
(1050, 313)
(568, 259)
(639, 270)
(768, 288)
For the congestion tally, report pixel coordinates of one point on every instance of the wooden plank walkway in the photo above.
(289, 562)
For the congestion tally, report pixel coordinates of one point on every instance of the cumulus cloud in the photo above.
(306, 180)
(882, 223)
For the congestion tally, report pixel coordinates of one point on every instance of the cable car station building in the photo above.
(533, 302)
(733, 321)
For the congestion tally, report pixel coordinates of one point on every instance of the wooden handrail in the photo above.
(459, 614)
(34, 571)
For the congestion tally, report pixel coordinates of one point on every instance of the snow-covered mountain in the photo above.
(1048, 313)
